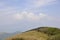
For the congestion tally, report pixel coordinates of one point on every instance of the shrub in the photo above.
(56, 37)
(18, 39)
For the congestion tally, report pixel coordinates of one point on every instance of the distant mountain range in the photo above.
(6, 35)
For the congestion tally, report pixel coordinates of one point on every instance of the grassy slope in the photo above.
(31, 35)
(42, 33)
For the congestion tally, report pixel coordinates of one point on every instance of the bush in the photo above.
(18, 39)
(49, 30)
(56, 37)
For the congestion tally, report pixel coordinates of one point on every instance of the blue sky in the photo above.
(21, 15)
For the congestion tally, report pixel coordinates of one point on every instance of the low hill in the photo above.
(41, 33)
(3, 35)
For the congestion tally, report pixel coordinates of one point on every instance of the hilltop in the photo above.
(41, 33)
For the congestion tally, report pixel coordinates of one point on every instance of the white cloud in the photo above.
(18, 16)
(39, 3)
(29, 16)
(42, 15)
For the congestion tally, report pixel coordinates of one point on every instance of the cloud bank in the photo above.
(26, 13)
(30, 16)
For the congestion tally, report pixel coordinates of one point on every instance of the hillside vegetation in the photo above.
(41, 33)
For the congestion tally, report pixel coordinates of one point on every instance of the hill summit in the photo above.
(41, 33)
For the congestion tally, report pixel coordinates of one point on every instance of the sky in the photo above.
(22, 15)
